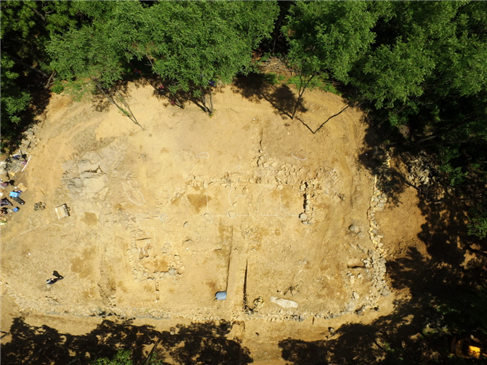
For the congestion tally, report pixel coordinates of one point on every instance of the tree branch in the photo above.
(25, 64)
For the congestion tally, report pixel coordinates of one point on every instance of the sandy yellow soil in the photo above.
(248, 201)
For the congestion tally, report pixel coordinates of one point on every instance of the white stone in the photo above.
(284, 303)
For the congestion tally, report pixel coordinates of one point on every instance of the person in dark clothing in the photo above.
(51, 281)
(57, 275)
(6, 202)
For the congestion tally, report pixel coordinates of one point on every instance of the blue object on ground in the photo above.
(14, 194)
(15, 209)
(221, 295)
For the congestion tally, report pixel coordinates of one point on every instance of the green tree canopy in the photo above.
(196, 43)
(14, 100)
(327, 38)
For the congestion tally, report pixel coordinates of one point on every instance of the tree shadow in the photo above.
(282, 98)
(252, 86)
(202, 343)
(414, 333)
(441, 295)
(259, 86)
(13, 133)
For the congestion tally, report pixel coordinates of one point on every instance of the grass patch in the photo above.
(318, 82)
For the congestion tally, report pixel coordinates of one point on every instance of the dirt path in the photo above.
(246, 201)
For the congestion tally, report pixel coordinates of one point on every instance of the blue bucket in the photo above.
(221, 295)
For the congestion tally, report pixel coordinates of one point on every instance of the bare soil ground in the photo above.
(286, 221)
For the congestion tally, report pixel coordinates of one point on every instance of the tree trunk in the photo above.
(443, 132)
(301, 89)
(283, 9)
(49, 82)
(25, 64)
(122, 99)
(128, 113)
(211, 103)
(203, 101)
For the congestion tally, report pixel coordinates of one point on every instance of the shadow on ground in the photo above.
(198, 343)
(259, 86)
(444, 301)
(12, 133)
(442, 294)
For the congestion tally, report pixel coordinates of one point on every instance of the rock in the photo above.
(355, 263)
(303, 216)
(284, 303)
(185, 224)
(77, 182)
(172, 271)
(167, 247)
(355, 295)
(332, 330)
(385, 292)
(86, 165)
(232, 214)
(354, 229)
(94, 185)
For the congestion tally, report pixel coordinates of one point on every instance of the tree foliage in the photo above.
(416, 63)
(327, 38)
(121, 358)
(14, 100)
(420, 64)
(195, 44)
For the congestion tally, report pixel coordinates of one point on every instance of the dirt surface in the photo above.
(247, 201)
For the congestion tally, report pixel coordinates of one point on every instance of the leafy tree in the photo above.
(95, 57)
(26, 27)
(14, 100)
(478, 225)
(416, 63)
(196, 44)
(327, 38)
(121, 358)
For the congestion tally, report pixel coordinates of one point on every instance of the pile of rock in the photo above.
(420, 171)
(307, 216)
(17, 161)
(88, 176)
(29, 140)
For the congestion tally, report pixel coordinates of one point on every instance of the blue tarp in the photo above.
(221, 295)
